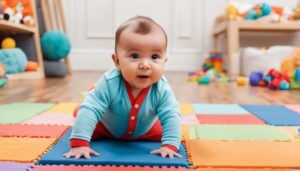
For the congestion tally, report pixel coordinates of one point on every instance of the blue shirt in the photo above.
(110, 104)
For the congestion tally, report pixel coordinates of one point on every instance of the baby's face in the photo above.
(141, 58)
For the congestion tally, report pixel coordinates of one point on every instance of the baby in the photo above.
(132, 101)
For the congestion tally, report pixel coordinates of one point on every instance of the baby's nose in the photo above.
(144, 64)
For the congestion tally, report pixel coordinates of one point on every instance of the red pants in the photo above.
(154, 134)
(101, 132)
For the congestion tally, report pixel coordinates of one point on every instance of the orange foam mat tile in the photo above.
(105, 168)
(25, 150)
(41, 131)
(245, 154)
(185, 132)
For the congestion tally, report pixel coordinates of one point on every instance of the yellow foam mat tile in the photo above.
(25, 150)
(243, 154)
(63, 108)
(186, 109)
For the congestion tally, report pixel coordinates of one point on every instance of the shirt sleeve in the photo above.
(169, 116)
(91, 111)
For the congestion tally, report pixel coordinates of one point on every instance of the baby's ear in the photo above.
(116, 60)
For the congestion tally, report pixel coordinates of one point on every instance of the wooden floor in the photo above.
(68, 90)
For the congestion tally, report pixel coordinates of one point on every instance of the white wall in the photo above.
(188, 23)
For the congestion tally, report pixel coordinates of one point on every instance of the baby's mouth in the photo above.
(143, 76)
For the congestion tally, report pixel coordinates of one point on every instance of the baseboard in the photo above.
(90, 59)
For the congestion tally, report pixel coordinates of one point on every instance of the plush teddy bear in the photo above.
(290, 64)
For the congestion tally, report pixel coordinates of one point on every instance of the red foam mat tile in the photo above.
(41, 131)
(229, 119)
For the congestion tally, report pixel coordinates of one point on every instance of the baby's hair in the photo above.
(144, 26)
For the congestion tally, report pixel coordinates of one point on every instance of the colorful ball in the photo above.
(255, 78)
(284, 85)
(55, 45)
(241, 81)
(14, 60)
(8, 43)
(268, 78)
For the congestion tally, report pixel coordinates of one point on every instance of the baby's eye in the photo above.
(155, 56)
(135, 55)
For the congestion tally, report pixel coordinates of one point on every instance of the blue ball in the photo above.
(14, 60)
(284, 85)
(55, 45)
(255, 78)
(268, 78)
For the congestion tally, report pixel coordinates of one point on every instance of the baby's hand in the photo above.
(165, 151)
(78, 152)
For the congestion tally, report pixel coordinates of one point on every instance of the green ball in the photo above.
(55, 45)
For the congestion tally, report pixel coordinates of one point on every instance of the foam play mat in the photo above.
(253, 154)
(63, 108)
(237, 132)
(275, 114)
(294, 107)
(186, 109)
(107, 168)
(42, 131)
(49, 118)
(224, 137)
(23, 149)
(189, 120)
(114, 153)
(17, 112)
(219, 109)
(13, 166)
(229, 119)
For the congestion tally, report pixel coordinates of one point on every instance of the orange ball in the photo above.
(31, 66)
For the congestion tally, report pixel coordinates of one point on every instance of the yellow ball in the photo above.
(8, 43)
(241, 81)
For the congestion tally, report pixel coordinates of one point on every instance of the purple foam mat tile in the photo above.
(13, 166)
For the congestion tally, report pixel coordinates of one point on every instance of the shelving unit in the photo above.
(54, 19)
(9, 28)
(232, 29)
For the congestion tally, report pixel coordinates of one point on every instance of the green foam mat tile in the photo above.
(238, 132)
(18, 112)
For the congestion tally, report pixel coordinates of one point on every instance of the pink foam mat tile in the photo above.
(189, 120)
(294, 107)
(51, 119)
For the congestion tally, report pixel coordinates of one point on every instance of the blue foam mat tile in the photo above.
(113, 153)
(274, 114)
(219, 109)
